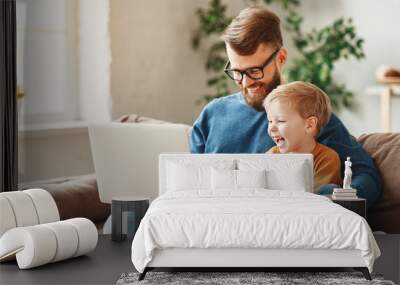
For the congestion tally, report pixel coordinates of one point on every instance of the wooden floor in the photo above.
(389, 262)
(111, 259)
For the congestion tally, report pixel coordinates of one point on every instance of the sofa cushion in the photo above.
(76, 197)
(385, 150)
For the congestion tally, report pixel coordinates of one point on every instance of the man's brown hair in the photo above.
(305, 98)
(253, 26)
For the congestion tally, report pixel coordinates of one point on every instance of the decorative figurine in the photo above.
(347, 174)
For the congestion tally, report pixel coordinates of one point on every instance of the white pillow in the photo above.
(237, 179)
(182, 177)
(223, 179)
(189, 175)
(282, 174)
(293, 180)
(251, 179)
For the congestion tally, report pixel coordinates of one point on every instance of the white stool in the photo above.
(31, 230)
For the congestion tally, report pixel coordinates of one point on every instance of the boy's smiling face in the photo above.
(288, 129)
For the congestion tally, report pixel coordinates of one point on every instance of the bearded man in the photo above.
(238, 123)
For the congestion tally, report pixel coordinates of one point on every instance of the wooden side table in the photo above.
(358, 206)
(137, 205)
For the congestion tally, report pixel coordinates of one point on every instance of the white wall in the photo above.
(154, 71)
(63, 61)
(377, 22)
(46, 60)
(94, 61)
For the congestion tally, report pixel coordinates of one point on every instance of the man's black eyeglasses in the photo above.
(255, 73)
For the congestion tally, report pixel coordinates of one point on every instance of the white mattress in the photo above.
(250, 218)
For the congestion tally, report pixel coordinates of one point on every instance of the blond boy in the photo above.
(296, 112)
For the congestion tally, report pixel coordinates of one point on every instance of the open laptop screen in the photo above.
(126, 156)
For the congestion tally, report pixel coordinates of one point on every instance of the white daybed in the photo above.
(219, 210)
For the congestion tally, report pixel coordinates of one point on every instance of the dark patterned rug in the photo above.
(229, 278)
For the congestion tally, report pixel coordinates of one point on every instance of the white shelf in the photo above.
(385, 92)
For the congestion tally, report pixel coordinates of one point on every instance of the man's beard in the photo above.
(256, 102)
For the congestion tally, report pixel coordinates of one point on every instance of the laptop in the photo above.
(125, 156)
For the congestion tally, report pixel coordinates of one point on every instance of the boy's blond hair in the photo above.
(305, 98)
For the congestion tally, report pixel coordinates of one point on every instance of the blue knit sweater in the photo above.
(229, 125)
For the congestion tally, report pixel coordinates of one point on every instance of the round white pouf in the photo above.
(87, 233)
(52, 242)
(45, 205)
(33, 246)
(23, 208)
(67, 240)
(6, 215)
